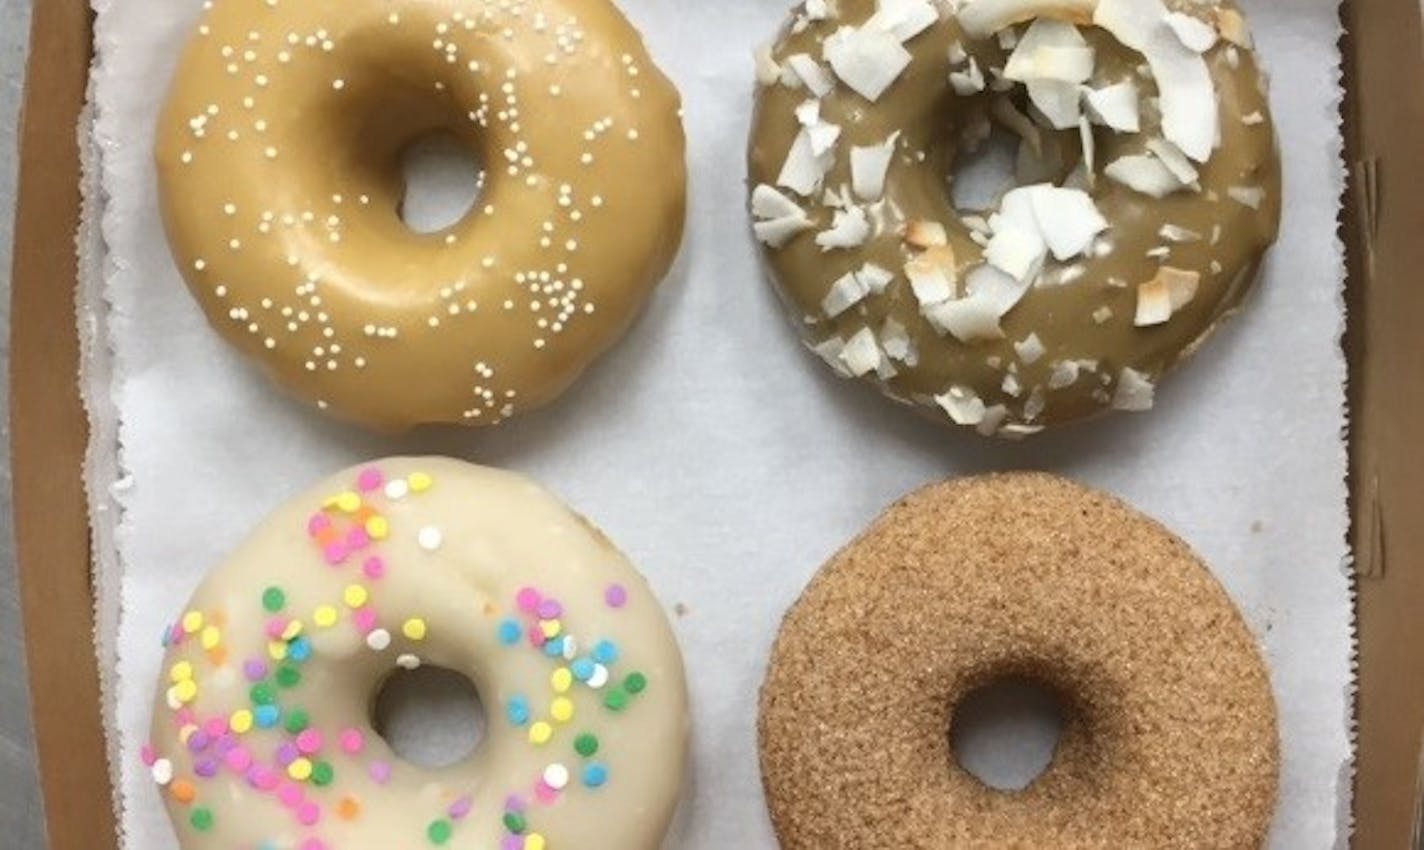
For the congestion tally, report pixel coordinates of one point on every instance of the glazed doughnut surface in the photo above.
(262, 735)
(278, 154)
(1170, 731)
(1146, 192)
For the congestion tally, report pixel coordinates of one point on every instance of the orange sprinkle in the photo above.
(183, 791)
(218, 656)
(218, 618)
(364, 514)
(329, 534)
(349, 808)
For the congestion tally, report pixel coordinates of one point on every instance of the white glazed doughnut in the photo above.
(262, 735)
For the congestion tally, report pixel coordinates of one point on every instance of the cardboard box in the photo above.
(1384, 114)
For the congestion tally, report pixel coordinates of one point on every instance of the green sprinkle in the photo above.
(635, 683)
(322, 773)
(262, 694)
(586, 745)
(616, 699)
(297, 720)
(288, 676)
(439, 831)
(202, 819)
(273, 599)
(514, 822)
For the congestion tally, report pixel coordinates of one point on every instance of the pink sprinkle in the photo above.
(262, 778)
(313, 844)
(148, 755)
(318, 523)
(616, 596)
(369, 479)
(514, 803)
(461, 807)
(374, 567)
(536, 636)
(309, 741)
(290, 793)
(365, 619)
(308, 813)
(215, 726)
(238, 759)
(335, 553)
(543, 793)
(176, 634)
(275, 627)
(380, 771)
(184, 717)
(357, 539)
(527, 599)
(352, 741)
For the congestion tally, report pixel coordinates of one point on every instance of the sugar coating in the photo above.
(1170, 732)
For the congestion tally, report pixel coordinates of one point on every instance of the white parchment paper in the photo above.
(724, 459)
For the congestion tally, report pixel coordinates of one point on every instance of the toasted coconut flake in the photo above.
(1029, 349)
(1002, 291)
(849, 229)
(1102, 314)
(866, 59)
(777, 232)
(1090, 151)
(1232, 26)
(922, 233)
(896, 342)
(983, 18)
(818, 10)
(1035, 404)
(769, 203)
(932, 275)
(1059, 101)
(904, 19)
(962, 404)
(1115, 106)
(1018, 252)
(969, 81)
(1175, 233)
(1194, 33)
(1251, 196)
(868, 166)
(993, 417)
(1166, 293)
(875, 277)
(957, 54)
(1175, 160)
(810, 72)
(779, 217)
(969, 320)
(1064, 374)
(1251, 119)
(1067, 219)
(861, 353)
(768, 70)
(1134, 391)
(1050, 50)
(804, 170)
(830, 351)
(845, 292)
(1144, 174)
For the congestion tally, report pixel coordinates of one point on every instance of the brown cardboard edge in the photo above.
(1384, 125)
(48, 436)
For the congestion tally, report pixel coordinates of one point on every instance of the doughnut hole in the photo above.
(980, 174)
(444, 177)
(430, 716)
(1005, 732)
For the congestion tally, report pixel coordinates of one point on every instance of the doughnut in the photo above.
(1169, 735)
(279, 176)
(262, 734)
(1144, 195)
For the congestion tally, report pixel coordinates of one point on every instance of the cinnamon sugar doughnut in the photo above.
(1145, 195)
(278, 155)
(1170, 729)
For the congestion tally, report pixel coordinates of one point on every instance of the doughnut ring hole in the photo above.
(430, 716)
(444, 177)
(1005, 732)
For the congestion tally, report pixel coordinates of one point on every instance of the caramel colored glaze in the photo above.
(934, 120)
(1169, 737)
(278, 160)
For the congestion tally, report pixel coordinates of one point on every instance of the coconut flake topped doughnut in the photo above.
(1146, 192)
(262, 732)
(278, 156)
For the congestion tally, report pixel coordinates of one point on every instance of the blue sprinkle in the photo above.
(594, 774)
(582, 668)
(509, 632)
(300, 649)
(517, 710)
(605, 652)
(266, 716)
(555, 647)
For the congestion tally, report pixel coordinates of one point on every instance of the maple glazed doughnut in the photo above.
(1169, 730)
(281, 188)
(262, 734)
(1146, 193)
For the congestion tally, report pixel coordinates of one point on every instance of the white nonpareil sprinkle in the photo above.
(378, 639)
(556, 776)
(429, 538)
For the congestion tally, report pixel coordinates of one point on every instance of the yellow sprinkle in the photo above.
(550, 628)
(561, 679)
(300, 769)
(355, 596)
(185, 732)
(348, 502)
(414, 628)
(186, 690)
(211, 637)
(180, 671)
(378, 527)
(324, 616)
(277, 649)
(540, 733)
(534, 841)
(192, 621)
(293, 629)
(562, 709)
(419, 481)
(240, 721)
